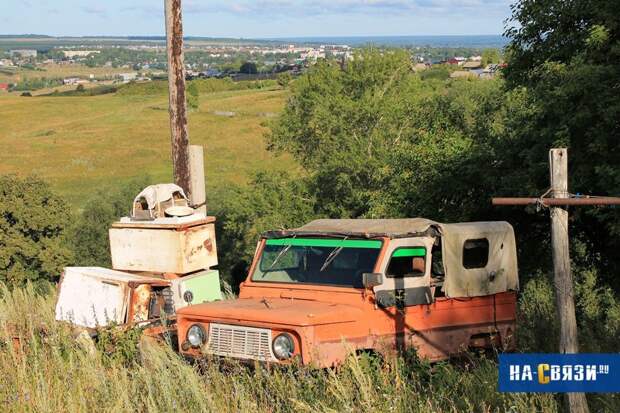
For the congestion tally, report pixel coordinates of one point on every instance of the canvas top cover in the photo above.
(498, 274)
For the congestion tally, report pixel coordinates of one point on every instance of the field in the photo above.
(56, 71)
(86, 144)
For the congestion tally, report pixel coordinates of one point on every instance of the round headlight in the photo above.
(196, 335)
(283, 346)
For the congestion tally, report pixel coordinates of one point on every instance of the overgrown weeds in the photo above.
(50, 371)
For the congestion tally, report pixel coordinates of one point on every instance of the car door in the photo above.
(407, 275)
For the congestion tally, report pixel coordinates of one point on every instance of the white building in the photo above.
(79, 53)
(23, 52)
(128, 77)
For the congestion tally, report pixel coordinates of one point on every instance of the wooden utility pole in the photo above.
(558, 202)
(562, 277)
(176, 96)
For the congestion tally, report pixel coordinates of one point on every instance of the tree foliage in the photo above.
(490, 56)
(89, 234)
(341, 124)
(275, 200)
(566, 55)
(33, 225)
(249, 68)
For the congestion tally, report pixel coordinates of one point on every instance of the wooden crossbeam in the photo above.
(575, 201)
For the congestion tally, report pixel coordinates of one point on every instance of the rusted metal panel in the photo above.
(141, 297)
(163, 250)
(93, 296)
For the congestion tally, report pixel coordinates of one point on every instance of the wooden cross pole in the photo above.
(176, 96)
(558, 201)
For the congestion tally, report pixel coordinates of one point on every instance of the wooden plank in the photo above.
(197, 173)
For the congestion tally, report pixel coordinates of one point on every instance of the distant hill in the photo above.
(24, 36)
(473, 41)
(38, 41)
(456, 41)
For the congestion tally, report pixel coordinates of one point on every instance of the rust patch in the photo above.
(140, 303)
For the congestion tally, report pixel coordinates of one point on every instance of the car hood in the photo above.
(275, 310)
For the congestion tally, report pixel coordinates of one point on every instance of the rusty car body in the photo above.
(332, 287)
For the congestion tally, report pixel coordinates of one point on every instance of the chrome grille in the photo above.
(241, 342)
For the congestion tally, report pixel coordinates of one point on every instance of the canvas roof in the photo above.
(387, 227)
(498, 274)
(369, 228)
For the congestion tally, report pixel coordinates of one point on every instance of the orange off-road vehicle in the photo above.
(332, 287)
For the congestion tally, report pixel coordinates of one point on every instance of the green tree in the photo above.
(33, 226)
(490, 56)
(276, 200)
(248, 68)
(566, 55)
(89, 233)
(343, 126)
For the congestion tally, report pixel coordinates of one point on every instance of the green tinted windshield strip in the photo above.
(410, 252)
(326, 242)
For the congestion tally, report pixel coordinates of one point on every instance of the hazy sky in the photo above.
(259, 18)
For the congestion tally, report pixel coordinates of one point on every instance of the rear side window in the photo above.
(476, 253)
(407, 262)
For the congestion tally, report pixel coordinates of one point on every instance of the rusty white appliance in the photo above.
(162, 256)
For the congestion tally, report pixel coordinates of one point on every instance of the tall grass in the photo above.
(52, 372)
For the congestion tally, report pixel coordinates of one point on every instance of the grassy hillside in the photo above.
(85, 144)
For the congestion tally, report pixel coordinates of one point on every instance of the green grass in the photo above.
(51, 372)
(86, 144)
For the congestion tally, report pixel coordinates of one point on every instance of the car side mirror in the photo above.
(372, 279)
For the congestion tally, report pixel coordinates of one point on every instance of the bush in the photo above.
(248, 68)
(89, 234)
(284, 79)
(92, 91)
(33, 225)
(160, 87)
(193, 96)
(596, 307)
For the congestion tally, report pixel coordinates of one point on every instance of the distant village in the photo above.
(145, 62)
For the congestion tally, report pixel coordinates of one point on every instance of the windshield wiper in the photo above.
(280, 254)
(332, 255)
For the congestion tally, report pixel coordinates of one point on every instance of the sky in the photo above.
(258, 18)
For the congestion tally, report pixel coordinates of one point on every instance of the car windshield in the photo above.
(339, 262)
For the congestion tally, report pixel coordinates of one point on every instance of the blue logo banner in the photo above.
(559, 373)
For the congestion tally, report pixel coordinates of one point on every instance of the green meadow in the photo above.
(83, 145)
